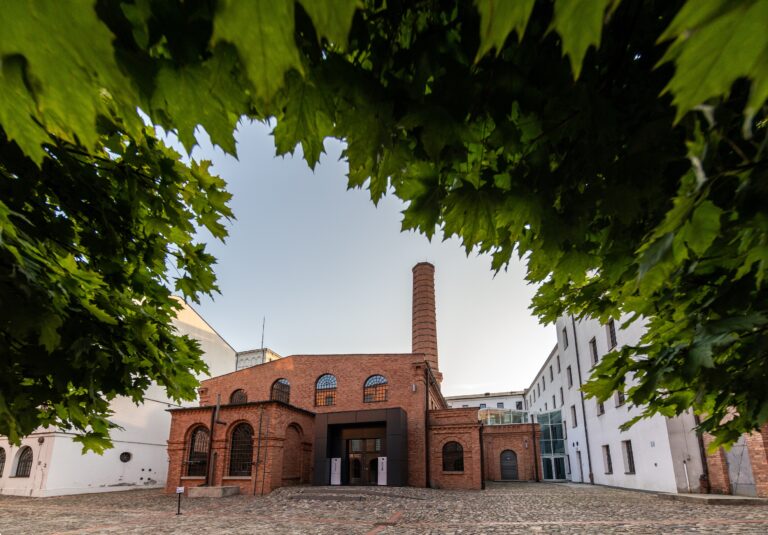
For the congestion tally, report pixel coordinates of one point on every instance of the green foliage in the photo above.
(619, 147)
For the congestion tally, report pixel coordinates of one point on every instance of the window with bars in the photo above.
(281, 391)
(2, 461)
(197, 460)
(375, 389)
(325, 390)
(238, 396)
(611, 331)
(24, 464)
(241, 450)
(453, 457)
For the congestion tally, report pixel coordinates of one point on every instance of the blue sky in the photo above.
(331, 273)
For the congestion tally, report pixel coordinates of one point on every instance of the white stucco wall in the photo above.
(491, 400)
(60, 467)
(659, 445)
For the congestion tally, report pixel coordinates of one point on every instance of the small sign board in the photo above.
(179, 490)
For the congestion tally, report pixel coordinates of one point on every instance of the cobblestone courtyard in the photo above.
(509, 508)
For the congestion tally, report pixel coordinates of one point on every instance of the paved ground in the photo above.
(502, 508)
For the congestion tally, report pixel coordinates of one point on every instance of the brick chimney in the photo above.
(424, 330)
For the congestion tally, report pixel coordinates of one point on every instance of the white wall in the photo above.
(491, 400)
(660, 445)
(60, 467)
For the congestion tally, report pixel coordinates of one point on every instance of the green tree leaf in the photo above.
(499, 18)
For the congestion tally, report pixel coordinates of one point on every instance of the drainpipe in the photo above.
(482, 458)
(535, 454)
(581, 396)
(705, 487)
(258, 452)
(209, 466)
(427, 471)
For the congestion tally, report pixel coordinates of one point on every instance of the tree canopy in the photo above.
(618, 147)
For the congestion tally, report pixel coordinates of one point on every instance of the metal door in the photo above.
(355, 469)
(740, 469)
(508, 465)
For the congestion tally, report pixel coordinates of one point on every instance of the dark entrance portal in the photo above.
(364, 460)
(508, 464)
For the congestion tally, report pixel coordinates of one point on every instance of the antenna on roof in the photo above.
(263, 324)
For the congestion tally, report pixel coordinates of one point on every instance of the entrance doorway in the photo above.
(363, 463)
(508, 464)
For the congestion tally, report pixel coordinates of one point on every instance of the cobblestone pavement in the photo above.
(502, 508)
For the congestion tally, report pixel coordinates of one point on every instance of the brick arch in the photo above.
(293, 455)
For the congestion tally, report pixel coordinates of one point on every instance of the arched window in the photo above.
(375, 389)
(241, 451)
(281, 391)
(325, 390)
(24, 463)
(453, 457)
(2, 461)
(238, 396)
(197, 462)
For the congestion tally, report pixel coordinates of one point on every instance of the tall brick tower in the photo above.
(424, 328)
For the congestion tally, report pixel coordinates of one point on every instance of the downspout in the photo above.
(581, 396)
(258, 452)
(427, 471)
(208, 466)
(482, 458)
(535, 454)
(703, 453)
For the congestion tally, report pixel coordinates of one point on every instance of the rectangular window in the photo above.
(600, 408)
(629, 457)
(567, 464)
(557, 357)
(569, 376)
(538, 388)
(611, 328)
(573, 415)
(620, 398)
(482, 405)
(562, 399)
(565, 338)
(551, 374)
(593, 350)
(465, 406)
(545, 406)
(554, 406)
(519, 405)
(565, 429)
(500, 405)
(543, 383)
(607, 459)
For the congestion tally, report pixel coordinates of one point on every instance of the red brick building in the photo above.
(344, 419)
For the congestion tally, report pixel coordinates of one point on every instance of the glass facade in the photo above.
(552, 445)
(502, 416)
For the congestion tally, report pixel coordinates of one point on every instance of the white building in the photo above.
(514, 400)
(50, 463)
(657, 454)
(253, 357)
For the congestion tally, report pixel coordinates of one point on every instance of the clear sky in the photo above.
(331, 273)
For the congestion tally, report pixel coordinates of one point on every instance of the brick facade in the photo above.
(757, 450)
(522, 439)
(297, 429)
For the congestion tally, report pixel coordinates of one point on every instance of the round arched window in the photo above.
(24, 462)
(241, 451)
(325, 390)
(238, 396)
(375, 389)
(453, 457)
(281, 391)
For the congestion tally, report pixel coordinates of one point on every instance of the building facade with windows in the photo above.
(364, 419)
(514, 400)
(657, 454)
(50, 463)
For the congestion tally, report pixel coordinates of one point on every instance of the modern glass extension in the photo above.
(502, 416)
(552, 445)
